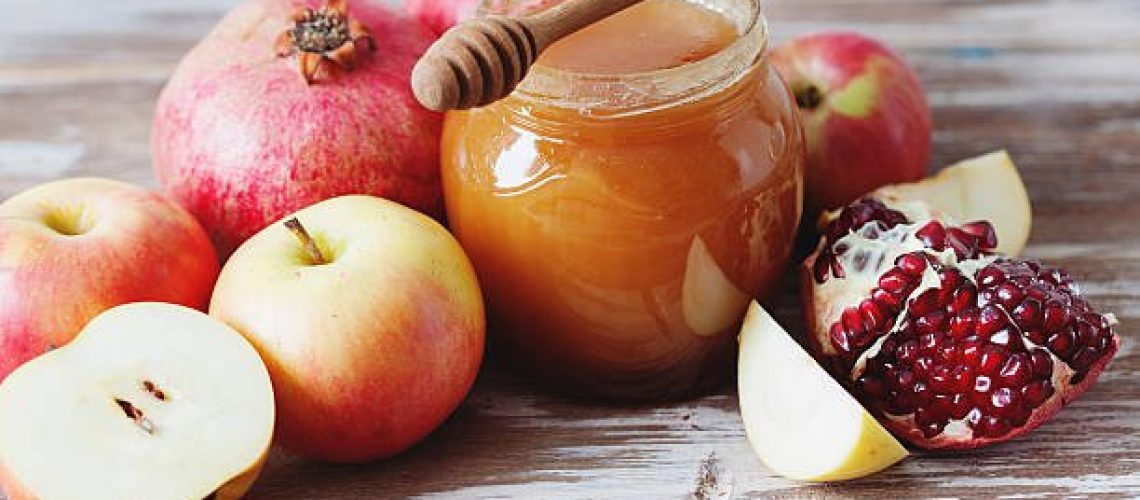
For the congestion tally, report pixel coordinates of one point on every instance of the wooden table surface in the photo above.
(1056, 82)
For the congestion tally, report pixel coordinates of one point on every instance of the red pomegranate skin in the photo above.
(241, 140)
(439, 15)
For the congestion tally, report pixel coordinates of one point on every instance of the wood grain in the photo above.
(1056, 82)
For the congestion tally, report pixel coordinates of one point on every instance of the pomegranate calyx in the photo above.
(324, 34)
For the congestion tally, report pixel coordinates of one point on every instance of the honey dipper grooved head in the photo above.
(474, 64)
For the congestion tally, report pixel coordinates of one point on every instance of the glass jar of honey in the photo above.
(623, 205)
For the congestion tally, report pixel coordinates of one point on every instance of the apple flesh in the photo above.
(800, 421)
(370, 319)
(74, 248)
(151, 400)
(864, 114)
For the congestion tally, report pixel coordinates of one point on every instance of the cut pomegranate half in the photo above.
(949, 344)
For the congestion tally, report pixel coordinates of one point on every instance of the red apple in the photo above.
(864, 114)
(72, 249)
(369, 317)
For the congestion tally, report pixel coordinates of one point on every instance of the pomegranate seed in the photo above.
(941, 381)
(928, 341)
(907, 352)
(872, 386)
(982, 384)
(1004, 398)
(923, 366)
(992, 427)
(1037, 392)
(1084, 359)
(934, 322)
(964, 298)
(933, 235)
(1016, 371)
(852, 322)
(837, 268)
(922, 394)
(990, 276)
(1062, 343)
(884, 298)
(963, 244)
(971, 353)
(1041, 364)
(894, 281)
(930, 421)
(872, 315)
(1028, 314)
(913, 264)
(990, 320)
(1008, 295)
(1086, 334)
(948, 353)
(924, 303)
(962, 325)
(1018, 415)
(1055, 316)
(1036, 336)
(963, 378)
(984, 231)
(992, 358)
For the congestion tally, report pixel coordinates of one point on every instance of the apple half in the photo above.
(151, 401)
(986, 187)
(800, 421)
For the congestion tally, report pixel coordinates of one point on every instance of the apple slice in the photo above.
(987, 187)
(710, 302)
(150, 401)
(799, 420)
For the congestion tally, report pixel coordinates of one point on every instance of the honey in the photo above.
(626, 202)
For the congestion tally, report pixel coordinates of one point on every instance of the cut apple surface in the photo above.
(710, 301)
(987, 187)
(150, 401)
(800, 421)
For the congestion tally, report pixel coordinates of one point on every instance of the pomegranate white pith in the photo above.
(950, 345)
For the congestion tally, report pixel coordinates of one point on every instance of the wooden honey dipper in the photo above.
(482, 60)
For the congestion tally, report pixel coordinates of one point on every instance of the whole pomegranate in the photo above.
(949, 345)
(439, 15)
(285, 104)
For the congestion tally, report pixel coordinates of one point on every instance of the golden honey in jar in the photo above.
(624, 204)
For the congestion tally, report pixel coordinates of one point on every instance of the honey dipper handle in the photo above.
(482, 60)
(568, 17)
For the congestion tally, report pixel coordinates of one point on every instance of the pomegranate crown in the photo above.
(327, 34)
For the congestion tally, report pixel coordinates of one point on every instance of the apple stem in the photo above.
(809, 97)
(307, 241)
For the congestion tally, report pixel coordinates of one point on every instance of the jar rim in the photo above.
(604, 95)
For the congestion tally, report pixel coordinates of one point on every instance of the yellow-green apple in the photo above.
(71, 249)
(864, 114)
(369, 317)
(151, 400)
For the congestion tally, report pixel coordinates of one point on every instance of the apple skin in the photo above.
(871, 126)
(369, 353)
(136, 246)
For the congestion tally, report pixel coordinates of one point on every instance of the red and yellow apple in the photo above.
(370, 319)
(864, 114)
(74, 248)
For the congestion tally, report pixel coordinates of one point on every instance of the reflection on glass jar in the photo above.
(620, 220)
